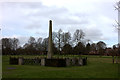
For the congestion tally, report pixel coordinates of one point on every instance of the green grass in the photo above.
(97, 67)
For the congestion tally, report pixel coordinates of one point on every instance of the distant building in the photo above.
(108, 52)
(93, 53)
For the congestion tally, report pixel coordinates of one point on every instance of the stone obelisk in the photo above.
(50, 53)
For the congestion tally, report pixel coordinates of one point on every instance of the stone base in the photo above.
(55, 62)
(65, 62)
(43, 62)
(20, 61)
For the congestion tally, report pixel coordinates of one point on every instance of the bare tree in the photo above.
(45, 44)
(101, 47)
(78, 36)
(39, 41)
(39, 44)
(9, 45)
(15, 43)
(25, 45)
(66, 37)
(31, 40)
(32, 43)
(93, 48)
(54, 38)
(117, 7)
(59, 38)
(6, 43)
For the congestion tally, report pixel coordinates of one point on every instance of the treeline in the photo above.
(63, 43)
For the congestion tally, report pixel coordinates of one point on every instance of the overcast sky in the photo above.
(95, 17)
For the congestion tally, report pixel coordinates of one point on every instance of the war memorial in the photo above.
(49, 60)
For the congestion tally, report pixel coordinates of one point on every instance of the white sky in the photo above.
(23, 19)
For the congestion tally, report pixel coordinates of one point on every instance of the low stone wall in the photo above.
(22, 61)
(76, 61)
(13, 61)
(35, 61)
(55, 62)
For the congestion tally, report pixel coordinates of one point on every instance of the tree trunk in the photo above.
(116, 59)
(113, 59)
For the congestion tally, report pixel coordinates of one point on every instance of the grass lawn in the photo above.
(97, 67)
